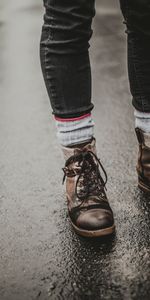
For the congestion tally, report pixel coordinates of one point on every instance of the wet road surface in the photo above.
(40, 256)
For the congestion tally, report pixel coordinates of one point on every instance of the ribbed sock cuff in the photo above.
(74, 131)
(142, 120)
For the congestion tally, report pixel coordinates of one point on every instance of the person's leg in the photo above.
(64, 55)
(137, 18)
(67, 73)
(66, 66)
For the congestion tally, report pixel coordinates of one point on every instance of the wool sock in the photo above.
(142, 121)
(73, 131)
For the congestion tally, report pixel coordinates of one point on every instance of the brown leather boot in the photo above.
(143, 165)
(88, 206)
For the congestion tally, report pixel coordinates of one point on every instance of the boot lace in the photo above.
(89, 181)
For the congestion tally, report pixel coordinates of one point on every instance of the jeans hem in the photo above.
(74, 112)
(140, 106)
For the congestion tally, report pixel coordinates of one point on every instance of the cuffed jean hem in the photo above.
(141, 104)
(73, 113)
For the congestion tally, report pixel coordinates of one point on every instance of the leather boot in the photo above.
(88, 206)
(143, 165)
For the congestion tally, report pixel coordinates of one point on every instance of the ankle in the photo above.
(142, 121)
(75, 131)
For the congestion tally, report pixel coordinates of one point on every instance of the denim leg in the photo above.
(64, 55)
(137, 19)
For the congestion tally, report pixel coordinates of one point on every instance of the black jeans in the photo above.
(65, 59)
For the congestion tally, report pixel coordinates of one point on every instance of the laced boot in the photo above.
(88, 206)
(143, 165)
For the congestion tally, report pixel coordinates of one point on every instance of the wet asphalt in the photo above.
(40, 255)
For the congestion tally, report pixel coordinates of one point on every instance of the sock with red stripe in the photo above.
(73, 131)
(142, 120)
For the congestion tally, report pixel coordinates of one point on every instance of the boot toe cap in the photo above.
(95, 219)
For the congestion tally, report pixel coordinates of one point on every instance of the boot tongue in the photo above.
(70, 151)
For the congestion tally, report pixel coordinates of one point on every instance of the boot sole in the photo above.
(93, 233)
(143, 187)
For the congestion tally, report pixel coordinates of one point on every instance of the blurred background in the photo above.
(40, 256)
